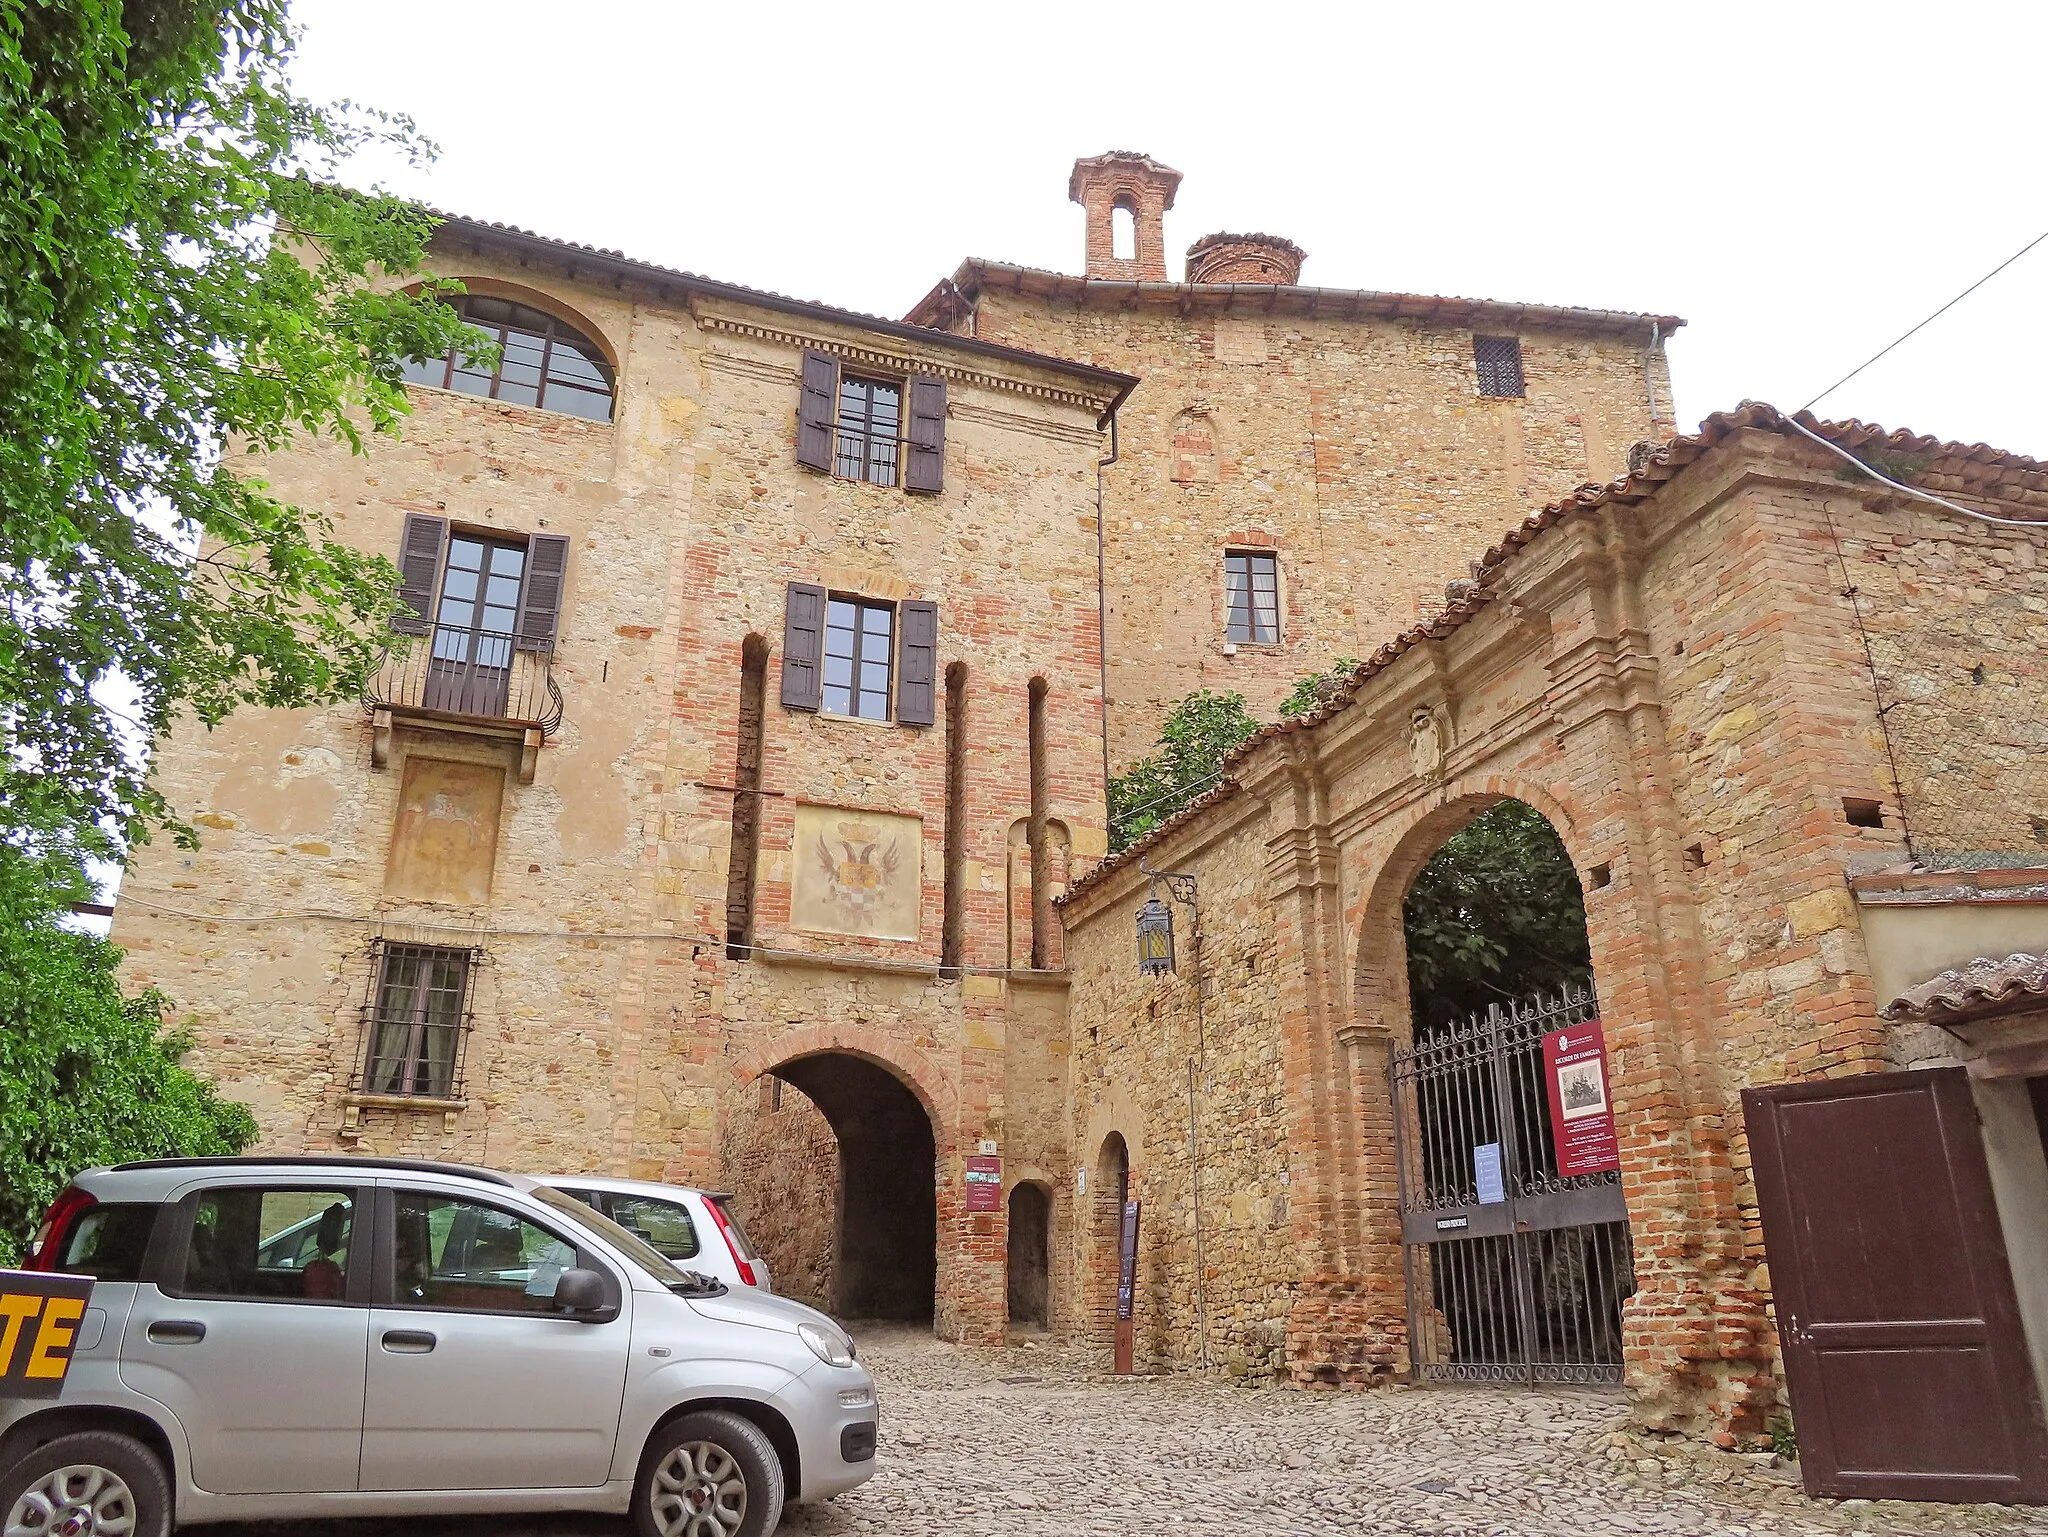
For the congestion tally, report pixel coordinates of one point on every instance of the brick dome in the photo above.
(1245, 259)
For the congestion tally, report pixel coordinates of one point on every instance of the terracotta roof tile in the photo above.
(1984, 986)
(1974, 466)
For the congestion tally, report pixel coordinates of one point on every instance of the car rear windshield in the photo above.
(635, 1248)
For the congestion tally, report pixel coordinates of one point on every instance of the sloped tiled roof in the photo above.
(1970, 468)
(1986, 985)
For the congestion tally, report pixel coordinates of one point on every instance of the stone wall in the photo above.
(782, 1163)
(1356, 449)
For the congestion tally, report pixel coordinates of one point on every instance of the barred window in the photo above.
(544, 362)
(1500, 365)
(859, 642)
(870, 422)
(416, 1022)
(1251, 583)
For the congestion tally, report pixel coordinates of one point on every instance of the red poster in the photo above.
(984, 1183)
(1581, 1114)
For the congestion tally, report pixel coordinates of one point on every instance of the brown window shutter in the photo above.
(803, 641)
(540, 596)
(917, 663)
(419, 565)
(926, 469)
(817, 410)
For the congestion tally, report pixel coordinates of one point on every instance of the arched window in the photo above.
(545, 363)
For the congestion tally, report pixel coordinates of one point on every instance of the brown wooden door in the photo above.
(1909, 1373)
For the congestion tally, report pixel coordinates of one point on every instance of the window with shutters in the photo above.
(881, 432)
(843, 654)
(1499, 360)
(1251, 588)
(543, 361)
(860, 646)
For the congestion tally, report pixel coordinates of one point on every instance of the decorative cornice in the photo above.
(904, 361)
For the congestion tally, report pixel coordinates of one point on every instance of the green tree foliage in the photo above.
(1313, 690)
(87, 1075)
(1188, 761)
(154, 330)
(1496, 914)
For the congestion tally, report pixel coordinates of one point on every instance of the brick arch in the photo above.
(908, 1065)
(540, 299)
(1379, 969)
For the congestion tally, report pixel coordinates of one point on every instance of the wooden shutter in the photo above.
(540, 595)
(926, 469)
(803, 643)
(917, 663)
(817, 410)
(419, 564)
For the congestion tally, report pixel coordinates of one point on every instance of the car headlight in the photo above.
(828, 1345)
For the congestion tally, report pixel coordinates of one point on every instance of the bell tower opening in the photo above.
(1125, 196)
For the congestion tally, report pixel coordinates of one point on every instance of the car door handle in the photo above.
(408, 1342)
(177, 1331)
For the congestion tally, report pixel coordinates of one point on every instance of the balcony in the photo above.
(476, 682)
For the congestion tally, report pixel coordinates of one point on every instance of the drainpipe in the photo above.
(1650, 372)
(1102, 612)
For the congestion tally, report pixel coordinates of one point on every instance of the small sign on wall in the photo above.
(984, 1183)
(1486, 1174)
(1581, 1114)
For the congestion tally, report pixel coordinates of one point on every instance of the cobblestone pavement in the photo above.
(1035, 1442)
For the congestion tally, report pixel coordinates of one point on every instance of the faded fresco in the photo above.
(857, 872)
(445, 839)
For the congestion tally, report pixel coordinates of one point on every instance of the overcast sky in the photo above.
(1802, 182)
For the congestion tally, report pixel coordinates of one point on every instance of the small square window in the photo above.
(1251, 585)
(869, 428)
(860, 642)
(1499, 359)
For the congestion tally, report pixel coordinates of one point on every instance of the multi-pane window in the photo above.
(870, 423)
(543, 362)
(1499, 359)
(417, 1019)
(1251, 583)
(859, 641)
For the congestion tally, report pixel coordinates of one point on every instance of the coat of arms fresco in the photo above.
(857, 872)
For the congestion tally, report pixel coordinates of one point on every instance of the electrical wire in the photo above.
(1958, 299)
(1912, 491)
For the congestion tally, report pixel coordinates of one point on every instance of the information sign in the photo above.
(1581, 1114)
(1486, 1174)
(984, 1183)
(1127, 1261)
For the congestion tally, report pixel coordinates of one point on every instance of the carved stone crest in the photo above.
(1426, 744)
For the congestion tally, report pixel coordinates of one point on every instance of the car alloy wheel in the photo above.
(699, 1490)
(79, 1500)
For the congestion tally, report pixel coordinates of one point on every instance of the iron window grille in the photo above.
(542, 361)
(868, 429)
(1499, 360)
(1251, 581)
(859, 649)
(416, 1021)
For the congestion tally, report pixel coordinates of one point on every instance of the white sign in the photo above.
(988, 1148)
(1486, 1174)
(1081, 1181)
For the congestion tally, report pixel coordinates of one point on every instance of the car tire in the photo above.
(113, 1479)
(708, 1474)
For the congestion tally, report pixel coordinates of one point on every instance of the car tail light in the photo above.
(48, 1243)
(732, 1246)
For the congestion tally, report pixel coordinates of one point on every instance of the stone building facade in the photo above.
(1352, 442)
(1672, 669)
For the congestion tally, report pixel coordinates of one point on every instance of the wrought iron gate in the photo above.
(1516, 1273)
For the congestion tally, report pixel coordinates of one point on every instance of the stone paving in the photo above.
(1035, 1442)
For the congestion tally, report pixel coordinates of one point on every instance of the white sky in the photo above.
(1801, 181)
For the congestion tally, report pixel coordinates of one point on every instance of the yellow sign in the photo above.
(39, 1316)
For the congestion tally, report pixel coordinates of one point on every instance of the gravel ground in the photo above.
(1036, 1442)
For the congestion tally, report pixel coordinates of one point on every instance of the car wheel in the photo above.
(94, 1483)
(708, 1474)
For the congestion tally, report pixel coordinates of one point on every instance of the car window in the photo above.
(589, 1198)
(108, 1242)
(663, 1225)
(455, 1253)
(635, 1248)
(270, 1245)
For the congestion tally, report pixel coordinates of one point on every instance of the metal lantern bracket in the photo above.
(1181, 887)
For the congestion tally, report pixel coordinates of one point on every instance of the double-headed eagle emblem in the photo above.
(860, 875)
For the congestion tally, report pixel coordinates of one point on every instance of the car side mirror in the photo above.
(582, 1292)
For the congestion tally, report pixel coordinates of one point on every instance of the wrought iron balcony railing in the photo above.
(479, 674)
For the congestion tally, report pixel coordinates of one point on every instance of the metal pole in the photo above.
(1182, 888)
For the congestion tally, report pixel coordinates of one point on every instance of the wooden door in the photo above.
(1909, 1373)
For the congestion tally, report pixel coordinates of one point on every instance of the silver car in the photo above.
(280, 1337)
(698, 1229)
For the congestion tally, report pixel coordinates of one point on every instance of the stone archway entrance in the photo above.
(869, 1246)
(1030, 1256)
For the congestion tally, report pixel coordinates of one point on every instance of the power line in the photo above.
(1958, 299)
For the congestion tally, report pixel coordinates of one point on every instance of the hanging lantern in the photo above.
(1155, 938)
